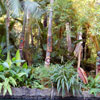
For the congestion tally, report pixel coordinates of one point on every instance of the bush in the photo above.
(93, 85)
(65, 76)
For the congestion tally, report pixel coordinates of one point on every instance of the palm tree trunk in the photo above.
(27, 49)
(49, 36)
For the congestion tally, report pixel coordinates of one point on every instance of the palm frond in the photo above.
(33, 8)
(14, 7)
(2, 8)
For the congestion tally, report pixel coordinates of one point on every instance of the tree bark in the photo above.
(68, 38)
(7, 29)
(32, 38)
(49, 36)
(22, 40)
(28, 30)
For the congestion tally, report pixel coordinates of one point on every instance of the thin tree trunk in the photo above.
(32, 38)
(28, 30)
(22, 40)
(68, 37)
(49, 37)
(78, 50)
(7, 29)
(27, 50)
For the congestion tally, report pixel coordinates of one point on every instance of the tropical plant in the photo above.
(6, 84)
(12, 76)
(23, 76)
(15, 9)
(93, 85)
(65, 76)
(42, 74)
(1, 55)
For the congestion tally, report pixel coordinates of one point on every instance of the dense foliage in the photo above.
(40, 39)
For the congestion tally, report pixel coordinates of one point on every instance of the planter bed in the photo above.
(45, 94)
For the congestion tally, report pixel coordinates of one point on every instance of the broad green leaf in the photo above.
(9, 89)
(97, 78)
(18, 58)
(63, 87)
(73, 89)
(4, 90)
(1, 85)
(1, 68)
(25, 65)
(6, 82)
(59, 89)
(2, 77)
(5, 64)
(12, 81)
(94, 91)
(14, 59)
(58, 86)
(18, 61)
(8, 60)
(21, 74)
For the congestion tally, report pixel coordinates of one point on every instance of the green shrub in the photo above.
(93, 85)
(65, 76)
(6, 84)
(16, 74)
(42, 74)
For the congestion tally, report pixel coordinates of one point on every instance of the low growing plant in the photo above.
(93, 85)
(65, 76)
(42, 74)
(14, 74)
(6, 84)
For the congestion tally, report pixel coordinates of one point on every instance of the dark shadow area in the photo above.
(48, 98)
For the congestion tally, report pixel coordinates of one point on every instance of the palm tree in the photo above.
(11, 7)
(14, 7)
(32, 12)
(49, 36)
